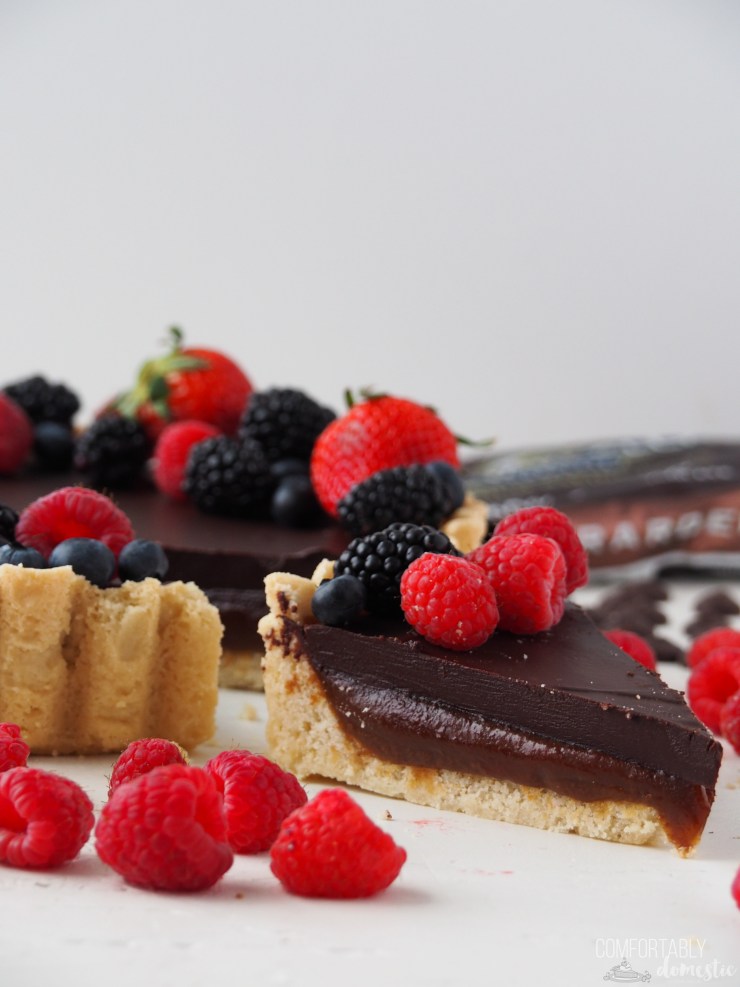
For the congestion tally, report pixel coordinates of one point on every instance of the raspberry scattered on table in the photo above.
(165, 830)
(329, 848)
(14, 750)
(258, 795)
(142, 756)
(711, 683)
(45, 819)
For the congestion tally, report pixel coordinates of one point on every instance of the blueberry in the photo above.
(141, 558)
(14, 554)
(54, 445)
(288, 467)
(338, 601)
(88, 557)
(451, 480)
(294, 503)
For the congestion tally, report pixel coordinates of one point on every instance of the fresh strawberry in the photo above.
(16, 435)
(73, 512)
(187, 383)
(377, 434)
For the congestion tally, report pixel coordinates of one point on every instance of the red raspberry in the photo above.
(735, 889)
(375, 435)
(171, 453)
(258, 795)
(16, 435)
(527, 573)
(165, 830)
(45, 819)
(144, 755)
(634, 644)
(729, 721)
(553, 524)
(73, 512)
(14, 750)
(718, 637)
(331, 849)
(712, 683)
(449, 601)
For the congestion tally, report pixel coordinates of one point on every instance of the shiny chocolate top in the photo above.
(211, 551)
(568, 686)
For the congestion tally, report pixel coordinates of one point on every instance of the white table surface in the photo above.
(477, 902)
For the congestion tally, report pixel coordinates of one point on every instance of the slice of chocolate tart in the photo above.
(561, 730)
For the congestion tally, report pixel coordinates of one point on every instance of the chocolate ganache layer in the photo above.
(564, 710)
(227, 557)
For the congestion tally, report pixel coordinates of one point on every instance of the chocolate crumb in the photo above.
(666, 650)
(704, 623)
(717, 603)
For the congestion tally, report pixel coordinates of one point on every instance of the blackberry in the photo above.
(8, 521)
(228, 476)
(381, 558)
(112, 452)
(451, 480)
(44, 402)
(286, 422)
(403, 493)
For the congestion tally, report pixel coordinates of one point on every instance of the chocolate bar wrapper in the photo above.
(640, 507)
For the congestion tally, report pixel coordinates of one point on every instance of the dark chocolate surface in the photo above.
(240, 611)
(564, 710)
(569, 682)
(214, 552)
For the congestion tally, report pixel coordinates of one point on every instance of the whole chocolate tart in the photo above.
(560, 730)
(227, 557)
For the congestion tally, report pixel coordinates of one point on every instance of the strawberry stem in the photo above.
(151, 384)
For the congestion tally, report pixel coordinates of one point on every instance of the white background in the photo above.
(526, 213)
